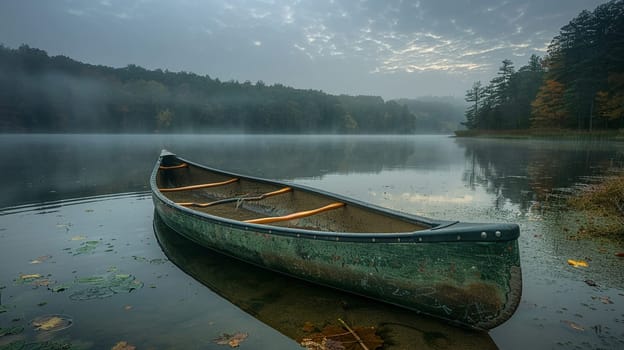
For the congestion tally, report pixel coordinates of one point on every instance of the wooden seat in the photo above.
(194, 187)
(296, 215)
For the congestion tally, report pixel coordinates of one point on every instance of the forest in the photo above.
(579, 84)
(44, 94)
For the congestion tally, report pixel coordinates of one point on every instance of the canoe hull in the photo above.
(471, 284)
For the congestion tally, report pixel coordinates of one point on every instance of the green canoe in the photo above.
(466, 274)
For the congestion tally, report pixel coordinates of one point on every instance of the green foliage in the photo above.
(586, 53)
(579, 84)
(505, 103)
(39, 93)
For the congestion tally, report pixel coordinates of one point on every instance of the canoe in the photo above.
(298, 309)
(464, 273)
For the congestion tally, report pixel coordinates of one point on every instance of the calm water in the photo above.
(100, 262)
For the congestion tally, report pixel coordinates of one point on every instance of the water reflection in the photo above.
(288, 305)
(53, 167)
(527, 171)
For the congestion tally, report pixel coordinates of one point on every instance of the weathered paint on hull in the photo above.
(472, 284)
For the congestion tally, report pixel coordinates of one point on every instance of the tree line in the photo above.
(579, 84)
(39, 93)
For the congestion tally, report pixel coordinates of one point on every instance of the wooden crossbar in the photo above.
(163, 167)
(194, 187)
(236, 199)
(296, 215)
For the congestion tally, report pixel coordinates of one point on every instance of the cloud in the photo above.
(353, 44)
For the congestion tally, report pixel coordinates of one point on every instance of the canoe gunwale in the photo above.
(439, 231)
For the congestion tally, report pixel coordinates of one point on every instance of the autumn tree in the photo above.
(548, 108)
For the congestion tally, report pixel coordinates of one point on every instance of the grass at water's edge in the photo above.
(603, 204)
(615, 135)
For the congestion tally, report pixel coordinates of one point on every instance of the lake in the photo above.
(84, 261)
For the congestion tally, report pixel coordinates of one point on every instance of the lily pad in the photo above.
(123, 283)
(86, 247)
(51, 323)
(105, 286)
(91, 280)
(99, 292)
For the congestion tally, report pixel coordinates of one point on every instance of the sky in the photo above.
(388, 48)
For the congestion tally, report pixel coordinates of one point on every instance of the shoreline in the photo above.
(612, 135)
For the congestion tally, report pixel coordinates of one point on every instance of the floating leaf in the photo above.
(591, 283)
(604, 299)
(106, 286)
(123, 345)
(577, 263)
(40, 259)
(79, 238)
(30, 277)
(51, 323)
(233, 340)
(41, 282)
(92, 293)
(91, 279)
(573, 325)
(59, 288)
(87, 247)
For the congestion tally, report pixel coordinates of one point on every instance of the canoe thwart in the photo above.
(194, 187)
(296, 215)
(236, 199)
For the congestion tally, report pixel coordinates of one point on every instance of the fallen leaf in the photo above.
(605, 300)
(573, 325)
(620, 254)
(577, 263)
(40, 259)
(30, 276)
(78, 238)
(591, 283)
(123, 345)
(233, 340)
(42, 282)
(51, 323)
(308, 327)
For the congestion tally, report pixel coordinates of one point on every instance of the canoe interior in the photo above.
(349, 218)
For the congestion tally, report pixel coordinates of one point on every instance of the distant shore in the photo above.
(615, 135)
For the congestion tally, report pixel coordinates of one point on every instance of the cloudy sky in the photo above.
(393, 48)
